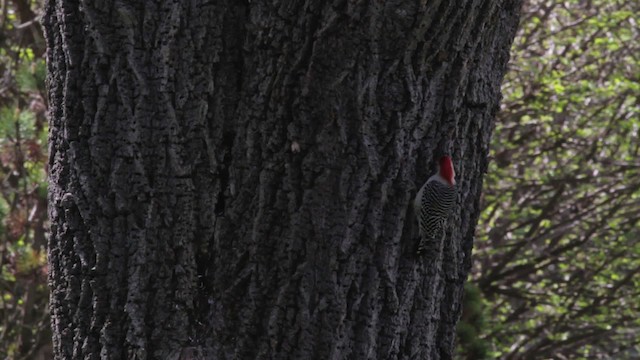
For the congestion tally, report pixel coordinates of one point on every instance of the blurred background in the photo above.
(24, 318)
(557, 254)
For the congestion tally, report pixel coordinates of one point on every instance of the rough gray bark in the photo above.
(233, 180)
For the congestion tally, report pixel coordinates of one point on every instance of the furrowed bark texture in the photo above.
(233, 180)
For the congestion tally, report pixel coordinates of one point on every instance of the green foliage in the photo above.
(24, 321)
(558, 255)
(473, 321)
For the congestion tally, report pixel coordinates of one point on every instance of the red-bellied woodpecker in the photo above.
(434, 202)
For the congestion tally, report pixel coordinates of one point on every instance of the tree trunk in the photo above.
(233, 180)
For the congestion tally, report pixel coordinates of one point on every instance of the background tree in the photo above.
(232, 180)
(558, 256)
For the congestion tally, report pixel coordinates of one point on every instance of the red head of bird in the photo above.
(445, 170)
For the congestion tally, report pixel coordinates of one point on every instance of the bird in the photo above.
(434, 202)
